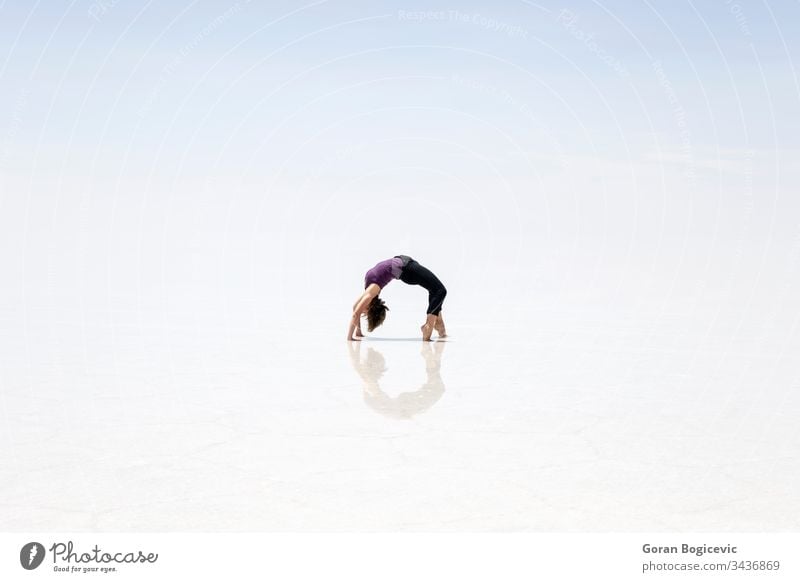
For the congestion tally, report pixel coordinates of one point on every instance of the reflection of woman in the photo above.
(410, 272)
(407, 404)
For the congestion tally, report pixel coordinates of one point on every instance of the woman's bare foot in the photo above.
(439, 326)
(427, 332)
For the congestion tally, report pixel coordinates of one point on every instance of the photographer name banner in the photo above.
(399, 556)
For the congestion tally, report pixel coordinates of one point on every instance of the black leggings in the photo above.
(415, 274)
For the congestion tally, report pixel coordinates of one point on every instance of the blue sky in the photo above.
(716, 56)
(682, 116)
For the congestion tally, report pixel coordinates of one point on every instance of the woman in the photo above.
(408, 271)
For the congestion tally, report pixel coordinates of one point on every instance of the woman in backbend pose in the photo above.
(408, 271)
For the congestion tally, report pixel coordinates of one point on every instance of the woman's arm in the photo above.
(352, 328)
(358, 323)
(360, 307)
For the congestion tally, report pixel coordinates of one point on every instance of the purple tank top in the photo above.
(382, 273)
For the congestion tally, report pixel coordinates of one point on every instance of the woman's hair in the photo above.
(376, 313)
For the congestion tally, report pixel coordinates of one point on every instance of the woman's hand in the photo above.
(351, 330)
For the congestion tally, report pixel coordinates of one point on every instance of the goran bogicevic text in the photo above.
(689, 549)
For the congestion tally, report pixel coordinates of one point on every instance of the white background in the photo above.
(192, 193)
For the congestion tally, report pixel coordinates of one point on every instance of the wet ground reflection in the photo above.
(372, 367)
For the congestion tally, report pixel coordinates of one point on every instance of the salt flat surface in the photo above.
(593, 425)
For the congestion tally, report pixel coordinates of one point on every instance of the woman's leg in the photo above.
(415, 274)
(436, 298)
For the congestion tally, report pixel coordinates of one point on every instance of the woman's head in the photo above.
(376, 313)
